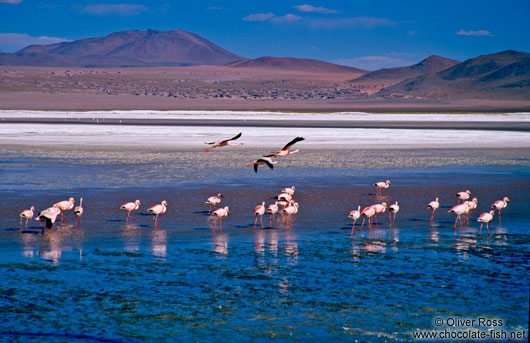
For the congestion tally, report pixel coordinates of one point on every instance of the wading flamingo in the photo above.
(261, 161)
(354, 215)
(289, 211)
(285, 150)
(500, 204)
(458, 210)
(379, 208)
(28, 214)
(158, 210)
(463, 196)
(65, 205)
(367, 212)
(485, 217)
(50, 216)
(289, 190)
(129, 207)
(471, 205)
(394, 208)
(380, 185)
(433, 205)
(220, 213)
(272, 209)
(212, 201)
(223, 143)
(259, 211)
(78, 211)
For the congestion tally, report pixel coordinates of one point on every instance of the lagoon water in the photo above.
(108, 281)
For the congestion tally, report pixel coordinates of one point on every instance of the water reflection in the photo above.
(220, 243)
(159, 242)
(131, 237)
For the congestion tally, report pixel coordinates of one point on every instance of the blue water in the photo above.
(108, 281)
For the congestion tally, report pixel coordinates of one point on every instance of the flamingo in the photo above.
(261, 161)
(393, 209)
(433, 205)
(458, 210)
(50, 216)
(284, 196)
(500, 204)
(65, 205)
(380, 185)
(367, 212)
(129, 207)
(471, 205)
(223, 143)
(379, 208)
(272, 209)
(28, 214)
(285, 150)
(220, 213)
(463, 196)
(78, 210)
(259, 211)
(158, 210)
(289, 211)
(213, 200)
(485, 217)
(289, 190)
(354, 215)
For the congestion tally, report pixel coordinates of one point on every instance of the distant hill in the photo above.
(501, 75)
(296, 64)
(431, 64)
(125, 49)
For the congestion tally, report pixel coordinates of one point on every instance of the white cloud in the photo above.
(349, 22)
(12, 2)
(475, 33)
(259, 17)
(17, 41)
(313, 9)
(114, 9)
(287, 17)
(374, 62)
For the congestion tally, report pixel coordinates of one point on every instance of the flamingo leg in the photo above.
(20, 224)
(220, 224)
(480, 231)
(27, 223)
(394, 219)
(261, 221)
(353, 229)
(389, 219)
(255, 222)
(376, 220)
(362, 224)
(487, 228)
(499, 215)
(454, 226)
(432, 215)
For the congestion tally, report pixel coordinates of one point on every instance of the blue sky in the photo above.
(363, 34)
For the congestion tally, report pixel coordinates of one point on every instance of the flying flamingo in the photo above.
(367, 212)
(485, 217)
(463, 196)
(158, 210)
(28, 214)
(458, 210)
(285, 150)
(212, 201)
(471, 205)
(223, 143)
(289, 211)
(379, 186)
(259, 211)
(289, 190)
(272, 209)
(220, 213)
(129, 207)
(500, 204)
(65, 205)
(50, 216)
(261, 161)
(354, 215)
(433, 205)
(379, 208)
(78, 210)
(393, 209)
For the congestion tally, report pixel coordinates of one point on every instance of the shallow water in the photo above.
(109, 281)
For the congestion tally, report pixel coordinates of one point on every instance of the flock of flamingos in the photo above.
(284, 204)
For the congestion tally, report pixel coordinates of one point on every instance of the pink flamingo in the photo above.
(272, 209)
(394, 208)
(259, 211)
(433, 205)
(285, 150)
(500, 204)
(289, 211)
(79, 212)
(158, 210)
(354, 215)
(223, 143)
(50, 216)
(289, 190)
(367, 212)
(471, 205)
(220, 213)
(463, 196)
(129, 207)
(262, 161)
(28, 214)
(212, 201)
(379, 186)
(379, 208)
(458, 210)
(485, 217)
(65, 205)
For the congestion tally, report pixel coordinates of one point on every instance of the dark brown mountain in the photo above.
(431, 64)
(504, 75)
(295, 64)
(125, 49)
